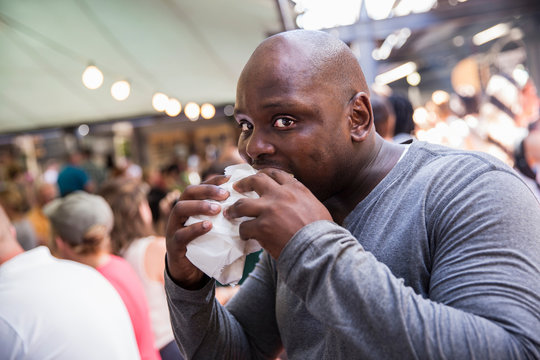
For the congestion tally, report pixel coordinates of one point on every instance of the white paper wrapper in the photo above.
(221, 253)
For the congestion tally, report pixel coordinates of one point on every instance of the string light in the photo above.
(173, 107)
(160, 101)
(192, 111)
(92, 77)
(208, 111)
(120, 90)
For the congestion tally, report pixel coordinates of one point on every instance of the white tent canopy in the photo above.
(189, 50)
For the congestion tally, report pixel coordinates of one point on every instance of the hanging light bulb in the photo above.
(120, 90)
(208, 111)
(160, 101)
(173, 107)
(92, 77)
(192, 111)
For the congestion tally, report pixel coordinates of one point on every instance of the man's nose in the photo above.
(259, 144)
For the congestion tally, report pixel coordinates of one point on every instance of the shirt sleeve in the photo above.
(484, 293)
(244, 329)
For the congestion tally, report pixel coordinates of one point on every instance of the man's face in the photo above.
(294, 123)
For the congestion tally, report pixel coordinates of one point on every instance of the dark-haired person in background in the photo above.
(384, 119)
(403, 112)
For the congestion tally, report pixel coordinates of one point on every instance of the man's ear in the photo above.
(360, 116)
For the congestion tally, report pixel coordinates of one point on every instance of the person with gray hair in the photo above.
(373, 249)
(57, 309)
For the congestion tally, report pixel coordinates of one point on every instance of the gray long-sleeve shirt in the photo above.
(440, 261)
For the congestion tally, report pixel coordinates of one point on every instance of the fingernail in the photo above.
(206, 224)
(222, 192)
(214, 207)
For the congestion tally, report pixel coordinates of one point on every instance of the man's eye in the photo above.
(283, 123)
(245, 126)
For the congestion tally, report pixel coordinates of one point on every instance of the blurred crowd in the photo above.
(507, 126)
(111, 219)
(23, 194)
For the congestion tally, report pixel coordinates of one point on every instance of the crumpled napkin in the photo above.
(220, 253)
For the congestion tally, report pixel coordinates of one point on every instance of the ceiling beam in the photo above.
(462, 14)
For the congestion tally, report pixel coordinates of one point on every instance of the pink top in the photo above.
(126, 282)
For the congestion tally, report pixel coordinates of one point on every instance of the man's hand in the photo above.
(284, 207)
(192, 202)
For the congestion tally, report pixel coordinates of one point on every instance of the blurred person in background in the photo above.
(129, 168)
(165, 205)
(175, 175)
(51, 169)
(383, 116)
(160, 199)
(72, 177)
(45, 193)
(19, 176)
(95, 172)
(373, 249)
(403, 111)
(133, 238)
(57, 309)
(527, 158)
(530, 104)
(81, 223)
(15, 204)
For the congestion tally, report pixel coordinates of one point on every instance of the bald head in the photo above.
(309, 57)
